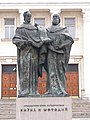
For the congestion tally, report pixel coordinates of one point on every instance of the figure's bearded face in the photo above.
(28, 18)
(55, 20)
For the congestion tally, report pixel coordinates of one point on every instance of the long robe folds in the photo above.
(57, 60)
(27, 41)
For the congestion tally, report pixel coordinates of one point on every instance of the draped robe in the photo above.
(28, 41)
(57, 59)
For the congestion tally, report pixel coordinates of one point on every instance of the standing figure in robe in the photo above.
(28, 41)
(57, 57)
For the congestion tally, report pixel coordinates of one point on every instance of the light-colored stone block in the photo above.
(44, 108)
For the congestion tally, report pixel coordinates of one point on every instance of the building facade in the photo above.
(74, 15)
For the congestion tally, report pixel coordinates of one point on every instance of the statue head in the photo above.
(27, 16)
(56, 19)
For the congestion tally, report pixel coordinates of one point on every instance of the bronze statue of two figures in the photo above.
(37, 48)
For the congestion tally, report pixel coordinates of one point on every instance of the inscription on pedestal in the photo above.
(44, 108)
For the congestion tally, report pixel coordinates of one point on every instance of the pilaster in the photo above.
(86, 39)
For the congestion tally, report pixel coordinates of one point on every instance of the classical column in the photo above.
(21, 11)
(86, 50)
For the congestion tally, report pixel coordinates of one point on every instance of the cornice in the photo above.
(86, 3)
(47, 5)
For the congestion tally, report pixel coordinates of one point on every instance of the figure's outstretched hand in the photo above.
(46, 41)
(36, 25)
(56, 47)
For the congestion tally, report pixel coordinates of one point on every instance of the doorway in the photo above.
(9, 80)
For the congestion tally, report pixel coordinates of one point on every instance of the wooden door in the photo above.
(9, 80)
(72, 84)
(42, 83)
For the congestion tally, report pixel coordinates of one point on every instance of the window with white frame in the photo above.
(70, 24)
(40, 21)
(9, 27)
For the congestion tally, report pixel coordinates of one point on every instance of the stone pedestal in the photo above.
(44, 108)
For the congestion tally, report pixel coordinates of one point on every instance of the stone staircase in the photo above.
(7, 109)
(80, 109)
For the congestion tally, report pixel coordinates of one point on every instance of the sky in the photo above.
(43, 1)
